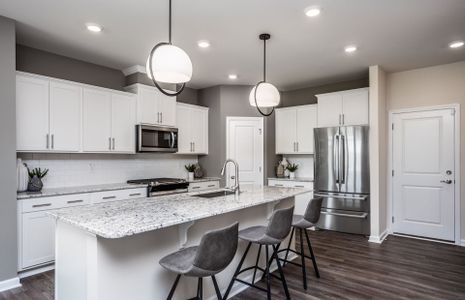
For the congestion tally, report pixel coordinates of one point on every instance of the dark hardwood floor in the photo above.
(350, 268)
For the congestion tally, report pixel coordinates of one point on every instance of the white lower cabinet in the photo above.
(203, 185)
(301, 201)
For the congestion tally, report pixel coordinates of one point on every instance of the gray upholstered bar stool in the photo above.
(272, 235)
(302, 223)
(214, 253)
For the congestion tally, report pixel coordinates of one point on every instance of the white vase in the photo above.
(291, 175)
(22, 176)
(190, 176)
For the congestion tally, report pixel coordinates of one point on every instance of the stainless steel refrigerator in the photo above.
(342, 178)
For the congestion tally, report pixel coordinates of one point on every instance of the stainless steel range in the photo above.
(163, 186)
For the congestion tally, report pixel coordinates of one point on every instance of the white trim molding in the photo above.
(9, 284)
(378, 239)
(133, 69)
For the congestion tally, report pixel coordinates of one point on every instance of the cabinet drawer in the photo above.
(199, 186)
(49, 203)
(287, 183)
(278, 183)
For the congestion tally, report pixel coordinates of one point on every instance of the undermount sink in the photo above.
(215, 194)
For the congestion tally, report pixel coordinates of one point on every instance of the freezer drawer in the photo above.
(345, 201)
(344, 221)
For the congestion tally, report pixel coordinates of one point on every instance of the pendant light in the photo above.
(169, 64)
(264, 94)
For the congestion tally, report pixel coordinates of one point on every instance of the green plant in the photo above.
(190, 167)
(292, 167)
(37, 172)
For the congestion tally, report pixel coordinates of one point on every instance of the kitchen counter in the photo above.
(300, 179)
(205, 179)
(124, 218)
(77, 190)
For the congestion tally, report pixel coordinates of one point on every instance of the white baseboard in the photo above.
(378, 239)
(9, 284)
(32, 272)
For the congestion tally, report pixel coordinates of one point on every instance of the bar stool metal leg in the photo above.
(281, 273)
(200, 289)
(312, 255)
(256, 264)
(267, 272)
(289, 246)
(302, 256)
(237, 271)
(217, 289)
(173, 288)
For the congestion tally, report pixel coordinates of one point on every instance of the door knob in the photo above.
(448, 181)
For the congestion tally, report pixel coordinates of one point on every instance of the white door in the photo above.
(286, 131)
(96, 121)
(355, 107)
(184, 129)
(32, 114)
(423, 182)
(329, 110)
(306, 122)
(167, 108)
(147, 109)
(65, 117)
(38, 239)
(123, 123)
(244, 144)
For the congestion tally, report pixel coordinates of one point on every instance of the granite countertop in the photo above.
(204, 179)
(78, 190)
(300, 179)
(118, 219)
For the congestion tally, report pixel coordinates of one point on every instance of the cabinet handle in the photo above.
(53, 141)
(212, 185)
(297, 143)
(135, 194)
(108, 197)
(161, 117)
(278, 184)
(113, 139)
(74, 201)
(158, 117)
(47, 141)
(195, 187)
(193, 146)
(299, 186)
(42, 205)
(343, 119)
(109, 143)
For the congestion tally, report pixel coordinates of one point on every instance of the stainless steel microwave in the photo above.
(156, 139)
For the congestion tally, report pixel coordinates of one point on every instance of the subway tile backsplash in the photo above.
(88, 169)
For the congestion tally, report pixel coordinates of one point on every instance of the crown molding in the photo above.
(133, 69)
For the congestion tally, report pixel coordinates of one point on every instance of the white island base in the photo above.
(89, 267)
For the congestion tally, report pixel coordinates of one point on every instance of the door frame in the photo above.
(229, 119)
(457, 147)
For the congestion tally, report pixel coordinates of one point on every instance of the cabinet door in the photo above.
(329, 110)
(355, 107)
(286, 130)
(65, 117)
(199, 125)
(167, 109)
(32, 113)
(38, 239)
(306, 122)
(123, 122)
(184, 129)
(147, 110)
(96, 121)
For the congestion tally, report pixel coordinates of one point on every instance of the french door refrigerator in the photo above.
(342, 178)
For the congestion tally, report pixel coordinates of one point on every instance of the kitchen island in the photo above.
(111, 250)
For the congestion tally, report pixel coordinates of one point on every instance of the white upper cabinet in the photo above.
(32, 113)
(192, 123)
(96, 120)
(153, 107)
(65, 117)
(343, 108)
(294, 129)
(123, 110)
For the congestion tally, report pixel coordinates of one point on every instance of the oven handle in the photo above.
(361, 198)
(362, 216)
(172, 139)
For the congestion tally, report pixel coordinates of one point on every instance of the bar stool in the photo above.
(309, 219)
(272, 235)
(214, 253)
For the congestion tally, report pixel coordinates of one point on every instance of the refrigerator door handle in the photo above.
(342, 160)
(336, 167)
(341, 196)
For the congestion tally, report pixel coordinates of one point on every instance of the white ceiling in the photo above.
(396, 34)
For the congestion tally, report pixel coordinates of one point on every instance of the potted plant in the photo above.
(35, 179)
(190, 171)
(292, 168)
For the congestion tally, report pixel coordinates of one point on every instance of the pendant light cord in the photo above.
(169, 25)
(264, 60)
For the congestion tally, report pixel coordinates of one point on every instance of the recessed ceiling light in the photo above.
(312, 11)
(456, 44)
(232, 76)
(350, 49)
(203, 44)
(94, 27)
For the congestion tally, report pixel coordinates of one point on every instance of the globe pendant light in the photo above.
(169, 64)
(264, 94)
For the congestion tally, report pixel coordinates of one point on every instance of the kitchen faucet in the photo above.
(235, 188)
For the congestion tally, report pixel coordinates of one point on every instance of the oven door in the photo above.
(156, 139)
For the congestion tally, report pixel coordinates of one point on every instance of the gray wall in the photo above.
(227, 101)
(49, 64)
(8, 236)
(307, 95)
